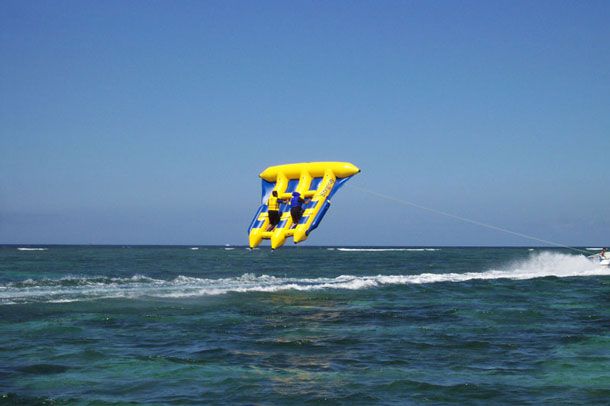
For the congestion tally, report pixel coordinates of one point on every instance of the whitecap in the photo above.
(386, 249)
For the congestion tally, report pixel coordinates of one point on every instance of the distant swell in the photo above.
(72, 289)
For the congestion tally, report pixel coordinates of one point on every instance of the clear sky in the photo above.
(147, 122)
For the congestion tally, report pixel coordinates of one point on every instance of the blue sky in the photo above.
(148, 122)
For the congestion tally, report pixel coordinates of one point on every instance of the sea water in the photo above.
(340, 325)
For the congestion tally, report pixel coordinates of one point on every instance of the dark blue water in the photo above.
(174, 325)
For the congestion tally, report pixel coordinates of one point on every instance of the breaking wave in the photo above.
(72, 289)
(31, 249)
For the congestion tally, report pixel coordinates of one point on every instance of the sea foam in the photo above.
(69, 289)
(31, 249)
(384, 249)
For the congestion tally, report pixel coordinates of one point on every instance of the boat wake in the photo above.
(70, 289)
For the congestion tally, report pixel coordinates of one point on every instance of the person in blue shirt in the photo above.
(296, 207)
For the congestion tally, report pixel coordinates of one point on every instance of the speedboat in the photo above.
(602, 259)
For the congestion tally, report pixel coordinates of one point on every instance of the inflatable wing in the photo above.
(315, 183)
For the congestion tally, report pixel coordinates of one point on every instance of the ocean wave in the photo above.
(70, 289)
(31, 249)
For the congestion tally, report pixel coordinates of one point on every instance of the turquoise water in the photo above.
(175, 325)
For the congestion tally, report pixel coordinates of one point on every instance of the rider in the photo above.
(296, 207)
(273, 210)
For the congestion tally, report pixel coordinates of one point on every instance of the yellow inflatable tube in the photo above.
(316, 182)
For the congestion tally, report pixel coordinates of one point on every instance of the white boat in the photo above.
(602, 259)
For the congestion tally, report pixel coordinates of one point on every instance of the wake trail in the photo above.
(71, 289)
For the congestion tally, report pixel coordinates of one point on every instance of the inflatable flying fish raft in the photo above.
(316, 182)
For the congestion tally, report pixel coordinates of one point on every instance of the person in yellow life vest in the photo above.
(273, 210)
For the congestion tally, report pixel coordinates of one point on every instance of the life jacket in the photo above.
(272, 204)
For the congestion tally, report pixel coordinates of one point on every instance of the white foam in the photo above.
(194, 248)
(385, 249)
(594, 249)
(31, 249)
(71, 289)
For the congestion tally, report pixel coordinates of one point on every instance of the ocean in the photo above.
(302, 325)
